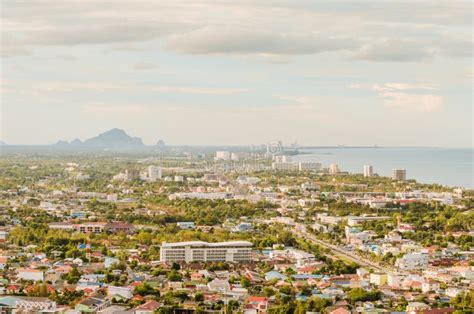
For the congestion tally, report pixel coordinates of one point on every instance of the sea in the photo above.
(446, 166)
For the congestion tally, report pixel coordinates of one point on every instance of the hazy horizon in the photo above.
(285, 144)
(208, 73)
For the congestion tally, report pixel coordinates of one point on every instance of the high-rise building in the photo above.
(281, 158)
(399, 174)
(132, 174)
(334, 168)
(154, 173)
(368, 171)
(222, 155)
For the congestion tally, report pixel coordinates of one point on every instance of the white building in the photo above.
(248, 180)
(412, 261)
(61, 226)
(330, 220)
(368, 171)
(334, 168)
(285, 166)
(309, 166)
(239, 156)
(30, 274)
(120, 292)
(112, 197)
(281, 158)
(178, 179)
(222, 155)
(201, 195)
(199, 251)
(399, 174)
(395, 280)
(154, 173)
(23, 304)
(354, 221)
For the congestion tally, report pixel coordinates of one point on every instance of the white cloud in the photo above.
(410, 97)
(245, 40)
(375, 32)
(101, 110)
(41, 87)
(198, 90)
(389, 49)
(308, 119)
(145, 66)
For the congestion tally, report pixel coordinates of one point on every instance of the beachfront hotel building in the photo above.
(399, 174)
(199, 251)
(368, 171)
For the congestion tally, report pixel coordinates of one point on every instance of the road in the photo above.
(342, 252)
(300, 230)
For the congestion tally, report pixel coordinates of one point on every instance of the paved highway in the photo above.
(342, 252)
(300, 230)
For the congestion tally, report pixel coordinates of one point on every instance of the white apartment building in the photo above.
(310, 166)
(61, 226)
(239, 156)
(154, 173)
(201, 195)
(222, 155)
(399, 174)
(285, 166)
(368, 171)
(199, 251)
(334, 168)
(282, 158)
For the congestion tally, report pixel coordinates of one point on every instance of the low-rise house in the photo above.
(120, 293)
(415, 307)
(148, 307)
(429, 285)
(378, 279)
(28, 304)
(219, 285)
(115, 309)
(256, 305)
(3, 262)
(273, 274)
(93, 303)
(412, 261)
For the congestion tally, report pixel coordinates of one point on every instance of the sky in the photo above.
(391, 73)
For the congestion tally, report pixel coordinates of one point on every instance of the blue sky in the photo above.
(237, 72)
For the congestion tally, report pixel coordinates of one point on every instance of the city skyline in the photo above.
(225, 73)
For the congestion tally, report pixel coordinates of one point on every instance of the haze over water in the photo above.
(446, 166)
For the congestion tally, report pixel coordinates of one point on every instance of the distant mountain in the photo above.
(114, 139)
(160, 144)
(76, 142)
(111, 140)
(61, 143)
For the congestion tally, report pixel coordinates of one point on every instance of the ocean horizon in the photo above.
(446, 166)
